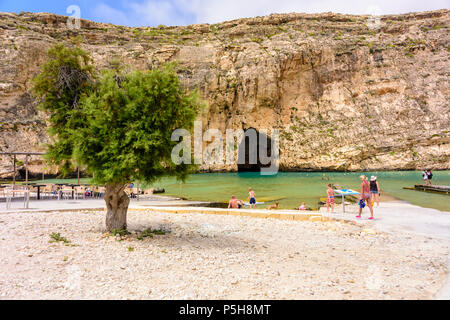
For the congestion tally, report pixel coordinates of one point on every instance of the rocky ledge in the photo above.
(345, 91)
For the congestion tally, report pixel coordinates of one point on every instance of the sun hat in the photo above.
(373, 178)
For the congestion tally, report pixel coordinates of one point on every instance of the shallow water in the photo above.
(292, 188)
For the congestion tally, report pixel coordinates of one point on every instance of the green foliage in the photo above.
(148, 233)
(120, 232)
(56, 237)
(118, 126)
(64, 79)
(130, 122)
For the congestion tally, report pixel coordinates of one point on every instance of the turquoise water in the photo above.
(292, 188)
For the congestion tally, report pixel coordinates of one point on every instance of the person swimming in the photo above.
(235, 203)
(251, 195)
(330, 198)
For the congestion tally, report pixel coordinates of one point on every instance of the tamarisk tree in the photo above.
(118, 126)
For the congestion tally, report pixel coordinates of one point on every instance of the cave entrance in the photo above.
(250, 157)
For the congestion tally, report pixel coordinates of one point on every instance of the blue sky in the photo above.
(183, 12)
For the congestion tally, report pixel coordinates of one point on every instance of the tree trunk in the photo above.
(117, 206)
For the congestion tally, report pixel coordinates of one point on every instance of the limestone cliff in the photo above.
(344, 94)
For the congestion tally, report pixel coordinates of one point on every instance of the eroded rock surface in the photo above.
(345, 94)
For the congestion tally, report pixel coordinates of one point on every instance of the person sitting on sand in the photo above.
(302, 207)
(330, 198)
(374, 191)
(235, 203)
(365, 196)
(273, 206)
(251, 195)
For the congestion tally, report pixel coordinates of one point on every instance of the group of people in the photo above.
(427, 176)
(238, 203)
(369, 193)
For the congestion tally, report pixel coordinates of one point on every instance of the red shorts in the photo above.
(330, 200)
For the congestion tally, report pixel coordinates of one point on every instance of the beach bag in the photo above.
(362, 203)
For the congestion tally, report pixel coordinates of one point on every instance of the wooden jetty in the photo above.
(430, 188)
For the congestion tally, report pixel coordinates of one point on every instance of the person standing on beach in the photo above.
(429, 176)
(330, 198)
(425, 176)
(374, 191)
(365, 196)
(252, 195)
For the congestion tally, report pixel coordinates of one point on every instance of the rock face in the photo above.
(345, 92)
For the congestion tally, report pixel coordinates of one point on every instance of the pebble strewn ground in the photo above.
(212, 257)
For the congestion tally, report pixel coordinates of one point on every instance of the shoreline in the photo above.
(248, 257)
(36, 176)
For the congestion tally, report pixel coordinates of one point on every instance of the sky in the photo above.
(136, 13)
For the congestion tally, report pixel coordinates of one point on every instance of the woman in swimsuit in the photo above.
(365, 195)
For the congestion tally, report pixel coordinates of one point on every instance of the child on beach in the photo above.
(365, 197)
(235, 203)
(251, 195)
(330, 198)
(302, 207)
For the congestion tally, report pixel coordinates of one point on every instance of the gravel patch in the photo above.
(212, 257)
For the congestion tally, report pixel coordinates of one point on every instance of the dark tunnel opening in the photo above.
(249, 157)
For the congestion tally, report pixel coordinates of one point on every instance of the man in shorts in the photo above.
(235, 203)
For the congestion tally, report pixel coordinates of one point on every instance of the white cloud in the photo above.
(182, 12)
(105, 13)
(155, 12)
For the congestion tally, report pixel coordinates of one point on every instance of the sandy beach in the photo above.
(205, 256)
